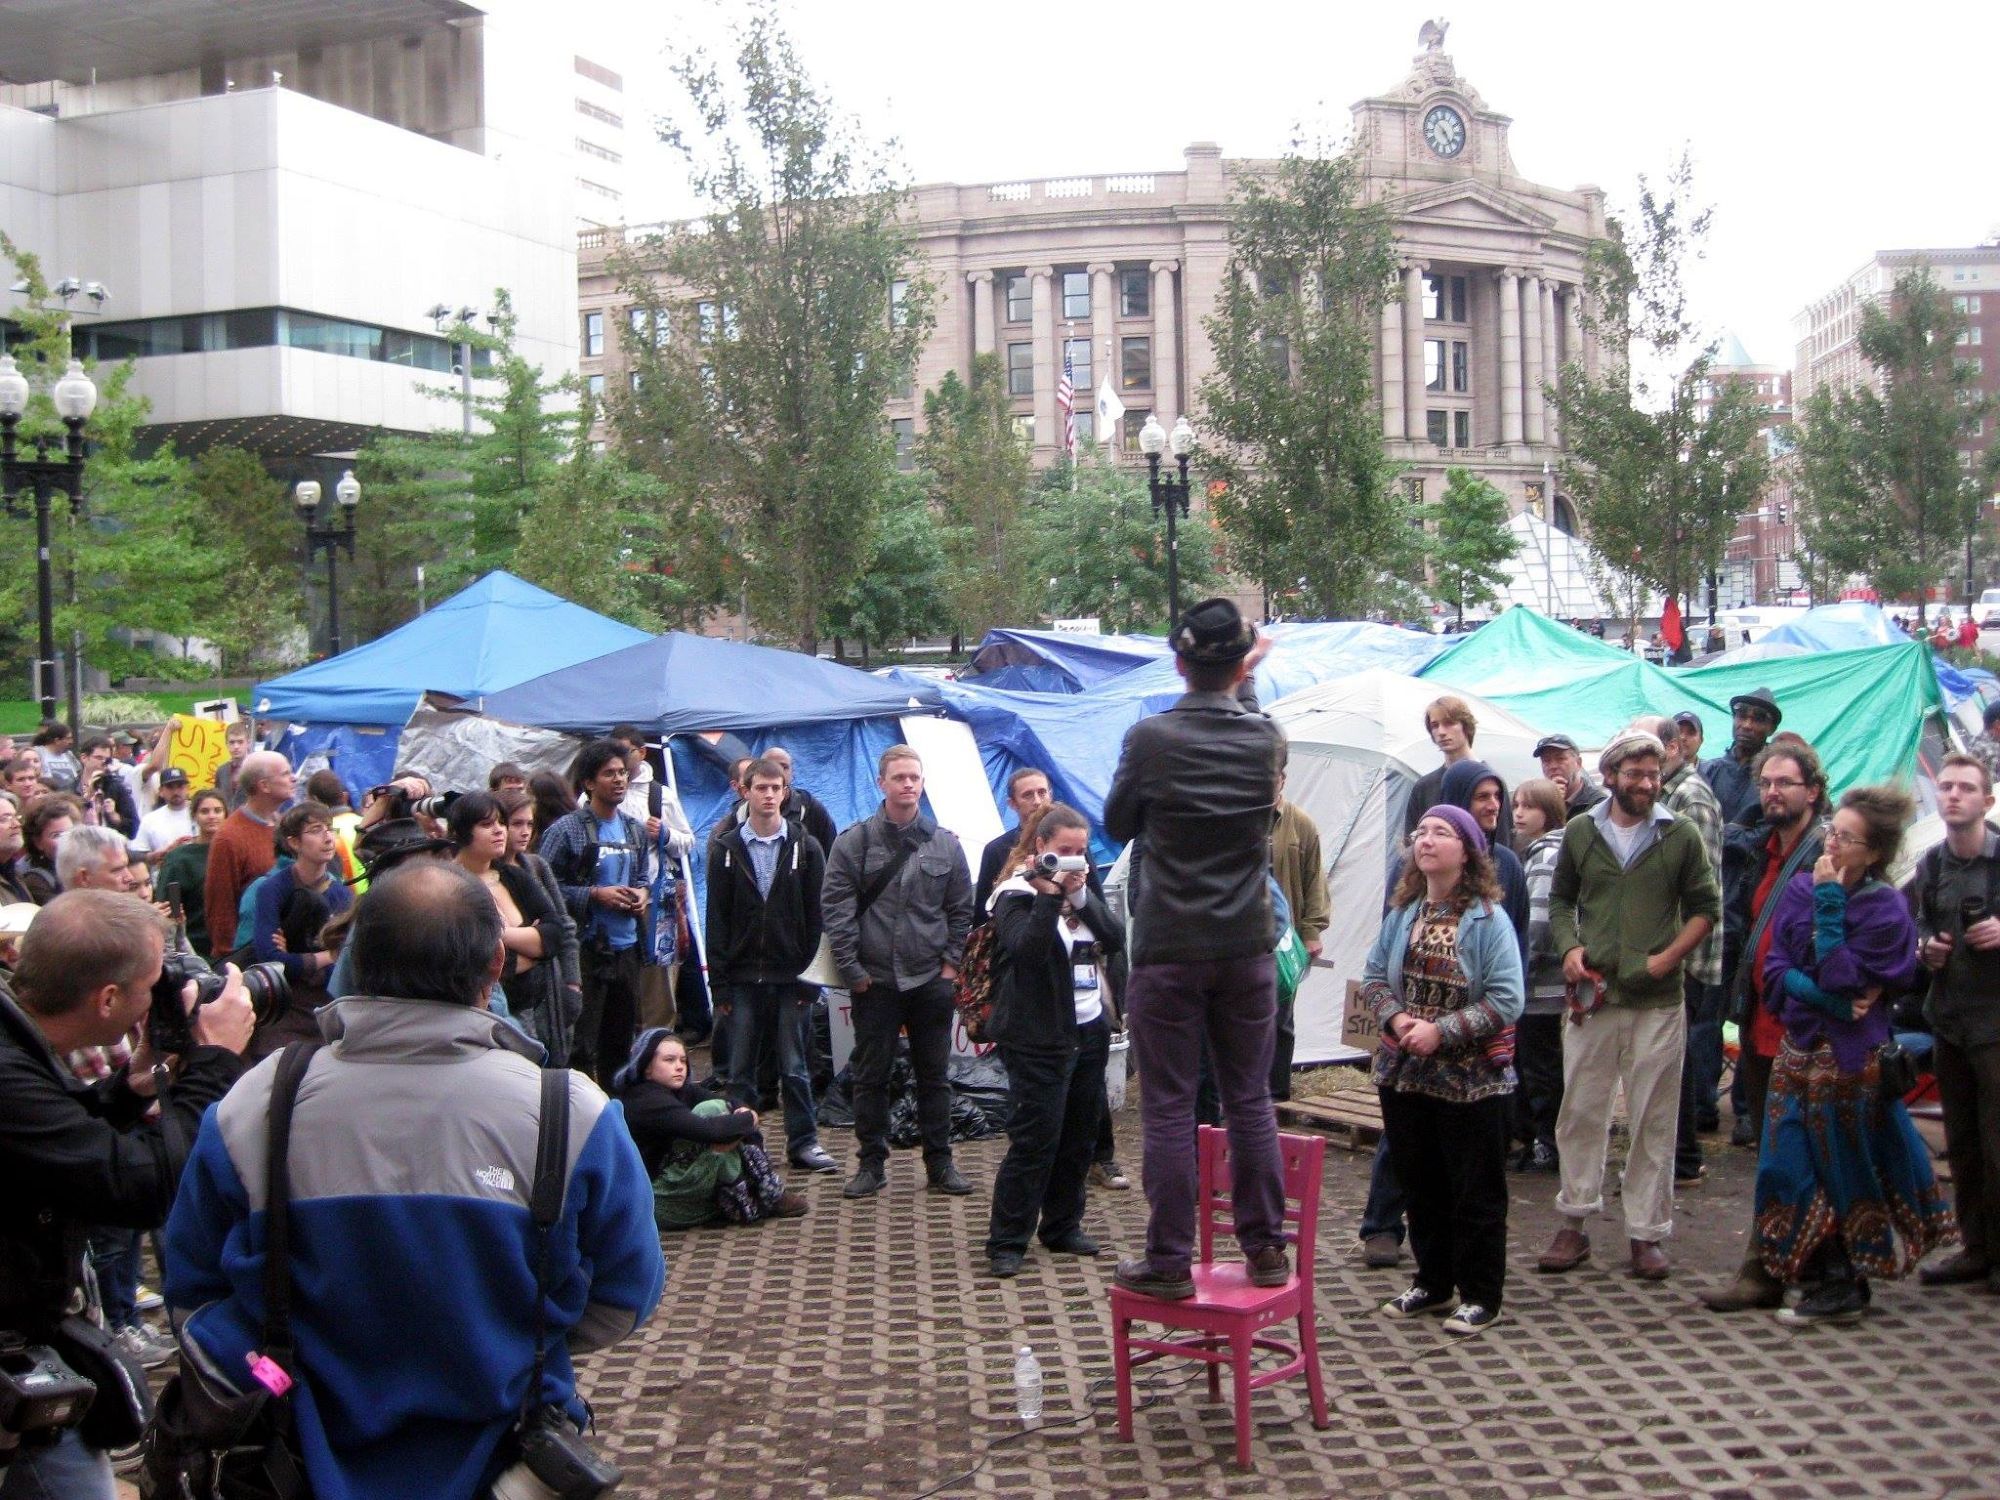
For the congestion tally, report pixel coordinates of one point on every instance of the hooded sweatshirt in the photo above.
(1460, 782)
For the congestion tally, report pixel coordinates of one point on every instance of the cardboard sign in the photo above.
(840, 1026)
(198, 747)
(1358, 1026)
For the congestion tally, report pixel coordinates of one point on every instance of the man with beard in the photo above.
(1759, 863)
(1633, 895)
(1562, 763)
(1753, 717)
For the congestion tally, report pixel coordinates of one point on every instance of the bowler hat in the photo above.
(1213, 631)
(1759, 698)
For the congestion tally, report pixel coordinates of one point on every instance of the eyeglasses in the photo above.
(1436, 833)
(1779, 784)
(1836, 838)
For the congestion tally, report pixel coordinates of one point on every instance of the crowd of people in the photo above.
(1543, 954)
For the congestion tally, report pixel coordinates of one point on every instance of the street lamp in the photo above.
(75, 398)
(332, 540)
(1169, 494)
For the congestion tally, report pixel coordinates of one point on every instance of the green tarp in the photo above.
(1863, 710)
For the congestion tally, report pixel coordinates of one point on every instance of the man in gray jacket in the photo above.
(1195, 791)
(897, 903)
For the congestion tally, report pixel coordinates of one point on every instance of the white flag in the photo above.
(1110, 412)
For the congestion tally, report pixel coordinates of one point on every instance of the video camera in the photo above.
(40, 1396)
(1048, 866)
(170, 1022)
(403, 805)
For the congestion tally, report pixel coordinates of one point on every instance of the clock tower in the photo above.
(1434, 125)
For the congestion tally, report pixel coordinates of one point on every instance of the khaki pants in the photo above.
(656, 995)
(1643, 1050)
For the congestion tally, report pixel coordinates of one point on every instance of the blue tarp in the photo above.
(493, 634)
(1855, 623)
(1056, 661)
(683, 684)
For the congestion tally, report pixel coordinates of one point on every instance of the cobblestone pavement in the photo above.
(863, 1350)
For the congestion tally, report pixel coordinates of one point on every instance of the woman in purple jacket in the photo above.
(1844, 1184)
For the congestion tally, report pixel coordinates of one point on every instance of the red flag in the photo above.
(1670, 625)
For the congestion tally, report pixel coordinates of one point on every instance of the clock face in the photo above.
(1444, 131)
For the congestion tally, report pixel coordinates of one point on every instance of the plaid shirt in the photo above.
(1688, 796)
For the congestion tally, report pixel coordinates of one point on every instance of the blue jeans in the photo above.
(1383, 1213)
(780, 1013)
(68, 1471)
(114, 1255)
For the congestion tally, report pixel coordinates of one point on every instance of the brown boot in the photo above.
(1753, 1288)
(1568, 1250)
(1649, 1261)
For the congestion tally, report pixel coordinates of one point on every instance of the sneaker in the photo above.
(790, 1206)
(1108, 1174)
(813, 1159)
(1743, 1133)
(948, 1179)
(1139, 1276)
(1829, 1302)
(1004, 1263)
(1381, 1251)
(1417, 1302)
(1269, 1266)
(1691, 1179)
(1544, 1158)
(1471, 1318)
(144, 1347)
(865, 1183)
(148, 1300)
(1957, 1270)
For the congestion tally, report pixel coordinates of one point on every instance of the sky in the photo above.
(1820, 133)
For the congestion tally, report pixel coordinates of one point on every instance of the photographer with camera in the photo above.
(423, 1299)
(109, 799)
(75, 1154)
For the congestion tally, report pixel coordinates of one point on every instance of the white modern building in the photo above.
(275, 196)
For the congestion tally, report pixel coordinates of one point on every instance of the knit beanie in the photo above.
(641, 1058)
(1466, 826)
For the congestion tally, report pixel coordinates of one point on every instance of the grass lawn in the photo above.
(21, 716)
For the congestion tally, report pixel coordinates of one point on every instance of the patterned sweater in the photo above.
(1462, 973)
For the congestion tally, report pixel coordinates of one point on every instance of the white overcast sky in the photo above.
(1820, 133)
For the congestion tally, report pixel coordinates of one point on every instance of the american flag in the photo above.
(1066, 404)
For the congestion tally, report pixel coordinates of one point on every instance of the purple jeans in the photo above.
(1169, 1009)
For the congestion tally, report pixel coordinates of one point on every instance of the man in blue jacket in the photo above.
(413, 1253)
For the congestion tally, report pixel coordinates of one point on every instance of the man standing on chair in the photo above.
(1193, 794)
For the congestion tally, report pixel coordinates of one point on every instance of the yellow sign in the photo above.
(197, 746)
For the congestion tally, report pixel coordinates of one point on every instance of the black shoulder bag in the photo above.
(209, 1441)
(548, 1447)
(870, 893)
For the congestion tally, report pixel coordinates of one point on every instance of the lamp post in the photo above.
(75, 398)
(441, 316)
(332, 540)
(1169, 494)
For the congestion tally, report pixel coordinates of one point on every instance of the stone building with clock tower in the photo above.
(1117, 272)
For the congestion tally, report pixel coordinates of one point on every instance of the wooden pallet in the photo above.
(1353, 1121)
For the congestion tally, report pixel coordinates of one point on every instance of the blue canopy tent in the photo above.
(1056, 661)
(491, 634)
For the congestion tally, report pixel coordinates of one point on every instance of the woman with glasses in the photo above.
(1844, 1184)
(1444, 981)
(12, 846)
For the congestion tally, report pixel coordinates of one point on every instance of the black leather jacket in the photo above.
(1194, 793)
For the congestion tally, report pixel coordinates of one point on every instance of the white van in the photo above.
(1987, 610)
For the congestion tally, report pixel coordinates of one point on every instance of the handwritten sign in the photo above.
(1358, 1026)
(198, 747)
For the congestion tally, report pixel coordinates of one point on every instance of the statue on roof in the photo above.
(1431, 36)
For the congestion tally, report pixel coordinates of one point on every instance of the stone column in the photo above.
(982, 311)
(1509, 284)
(1532, 427)
(1391, 341)
(1551, 363)
(1166, 344)
(1040, 280)
(1102, 313)
(1413, 352)
(1572, 324)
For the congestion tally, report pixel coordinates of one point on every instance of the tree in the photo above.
(1303, 491)
(1659, 484)
(904, 589)
(1470, 543)
(253, 607)
(1883, 490)
(1103, 552)
(978, 474)
(792, 313)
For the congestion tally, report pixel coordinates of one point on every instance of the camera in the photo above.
(433, 807)
(39, 1394)
(170, 1022)
(1048, 866)
(555, 1462)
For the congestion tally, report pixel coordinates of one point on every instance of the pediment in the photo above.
(1471, 203)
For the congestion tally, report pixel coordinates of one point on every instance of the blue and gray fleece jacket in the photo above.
(413, 1252)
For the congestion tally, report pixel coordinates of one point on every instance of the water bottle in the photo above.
(1028, 1386)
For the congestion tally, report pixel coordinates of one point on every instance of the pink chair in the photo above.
(1226, 1313)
